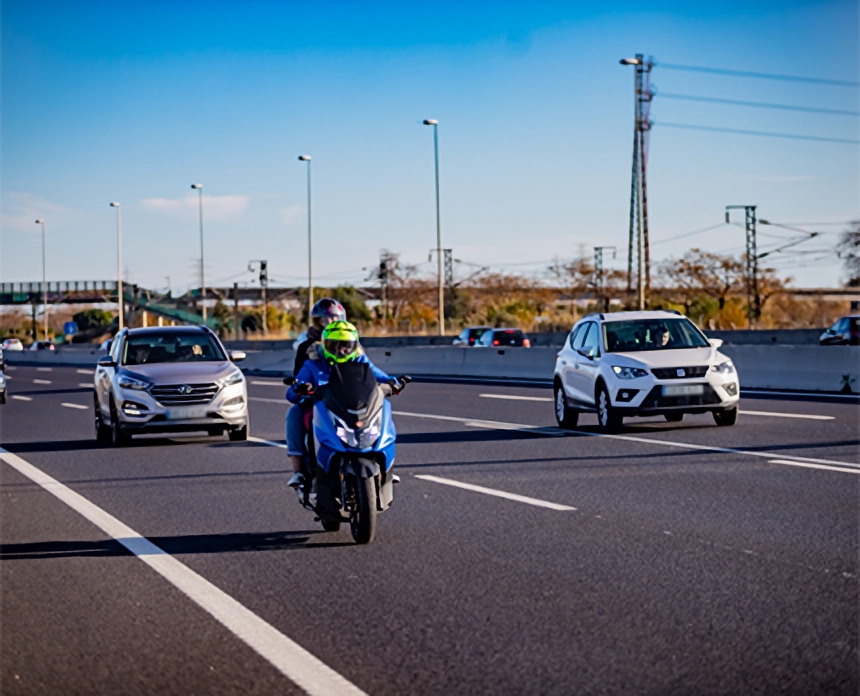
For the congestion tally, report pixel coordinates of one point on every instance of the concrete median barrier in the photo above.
(781, 367)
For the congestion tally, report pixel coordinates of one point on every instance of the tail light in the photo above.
(496, 342)
(527, 343)
(471, 341)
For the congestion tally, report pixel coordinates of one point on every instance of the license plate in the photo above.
(684, 390)
(186, 413)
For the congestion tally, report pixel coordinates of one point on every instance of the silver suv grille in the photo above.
(184, 394)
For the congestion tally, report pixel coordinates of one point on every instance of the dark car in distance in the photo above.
(504, 338)
(470, 335)
(845, 332)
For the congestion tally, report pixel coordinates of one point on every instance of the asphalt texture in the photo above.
(689, 562)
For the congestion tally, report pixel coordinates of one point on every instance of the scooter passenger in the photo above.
(339, 344)
(323, 313)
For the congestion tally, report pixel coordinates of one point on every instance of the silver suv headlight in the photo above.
(629, 372)
(726, 368)
(232, 378)
(129, 382)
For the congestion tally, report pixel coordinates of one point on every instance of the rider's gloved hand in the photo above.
(303, 388)
(396, 386)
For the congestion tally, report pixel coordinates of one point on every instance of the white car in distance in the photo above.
(642, 364)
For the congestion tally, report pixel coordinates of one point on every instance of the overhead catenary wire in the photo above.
(761, 76)
(768, 134)
(759, 105)
(688, 234)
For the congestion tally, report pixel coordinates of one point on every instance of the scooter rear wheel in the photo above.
(362, 519)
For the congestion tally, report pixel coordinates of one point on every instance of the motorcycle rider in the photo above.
(323, 313)
(338, 344)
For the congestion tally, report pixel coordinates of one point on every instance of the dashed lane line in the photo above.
(497, 493)
(261, 383)
(773, 414)
(78, 406)
(41, 381)
(832, 465)
(287, 656)
(21, 398)
(44, 369)
(85, 385)
(84, 372)
(515, 397)
(789, 462)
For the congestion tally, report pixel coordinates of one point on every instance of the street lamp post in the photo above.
(307, 158)
(199, 188)
(119, 292)
(433, 122)
(44, 280)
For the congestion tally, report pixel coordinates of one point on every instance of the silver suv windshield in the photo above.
(651, 334)
(151, 348)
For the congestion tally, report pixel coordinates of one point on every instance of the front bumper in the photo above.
(138, 412)
(718, 393)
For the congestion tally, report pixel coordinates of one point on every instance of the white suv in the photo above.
(641, 364)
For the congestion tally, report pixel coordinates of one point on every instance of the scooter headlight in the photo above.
(368, 436)
(344, 433)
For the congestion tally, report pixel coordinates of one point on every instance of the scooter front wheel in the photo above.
(362, 517)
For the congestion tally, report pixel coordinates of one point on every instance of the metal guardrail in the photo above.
(59, 286)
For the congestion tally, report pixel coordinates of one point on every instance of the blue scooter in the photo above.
(351, 451)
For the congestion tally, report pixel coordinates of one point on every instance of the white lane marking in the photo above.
(85, 385)
(268, 384)
(271, 401)
(44, 369)
(21, 398)
(79, 406)
(491, 425)
(812, 466)
(493, 491)
(288, 657)
(84, 372)
(270, 443)
(828, 395)
(513, 397)
(10, 368)
(786, 415)
(41, 381)
(628, 438)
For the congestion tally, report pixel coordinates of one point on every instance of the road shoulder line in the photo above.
(288, 657)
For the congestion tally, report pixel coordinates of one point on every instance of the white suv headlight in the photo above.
(725, 368)
(129, 382)
(629, 372)
(232, 378)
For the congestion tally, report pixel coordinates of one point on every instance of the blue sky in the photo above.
(133, 102)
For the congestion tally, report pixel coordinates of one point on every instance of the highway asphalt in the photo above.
(669, 559)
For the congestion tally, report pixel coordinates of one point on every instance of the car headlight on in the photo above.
(232, 378)
(725, 368)
(629, 372)
(129, 382)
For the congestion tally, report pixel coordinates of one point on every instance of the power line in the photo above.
(791, 136)
(759, 105)
(761, 76)
(689, 234)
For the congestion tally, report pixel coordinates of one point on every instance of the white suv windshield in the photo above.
(651, 334)
(170, 348)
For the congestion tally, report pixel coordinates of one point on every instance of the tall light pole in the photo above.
(44, 280)
(199, 188)
(433, 122)
(307, 158)
(119, 295)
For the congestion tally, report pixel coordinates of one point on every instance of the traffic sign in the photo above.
(70, 328)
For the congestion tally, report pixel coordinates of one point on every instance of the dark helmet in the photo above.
(326, 311)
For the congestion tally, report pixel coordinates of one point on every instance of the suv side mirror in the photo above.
(237, 355)
(106, 361)
(715, 342)
(587, 352)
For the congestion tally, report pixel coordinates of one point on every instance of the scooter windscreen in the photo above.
(353, 394)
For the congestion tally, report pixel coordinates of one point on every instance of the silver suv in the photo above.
(167, 380)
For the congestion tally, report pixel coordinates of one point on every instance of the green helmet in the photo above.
(339, 342)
